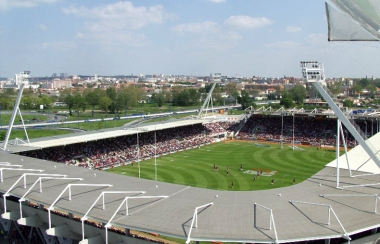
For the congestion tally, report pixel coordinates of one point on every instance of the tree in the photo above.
(128, 97)
(371, 88)
(217, 95)
(182, 98)
(63, 94)
(168, 95)
(7, 98)
(186, 97)
(312, 92)
(112, 94)
(244, 99)
(335, 87)
(27, 102)
(363, 82)
(348, 103)
(5, 102)
(93, 97)
(194, 96)
(218, 99)
(10, 92)
(287, 102)
(202, 90)
(357, 88)
(298, 94)
(104, 103)
(69, 100)
(255, 92)
(46, 101)
(230, 88)
(79, 102)
(272, 96)
(159, 98)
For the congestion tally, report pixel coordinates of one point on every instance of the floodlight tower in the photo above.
(313, 72)
(22, 79)
(207, 101)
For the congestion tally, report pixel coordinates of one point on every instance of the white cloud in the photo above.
(79, 35)
(232, 35)
(293, 29)
(119, 16)
(247, 22)
(282, 45)
(217, 1)
(316, 39)
(116, 23)
(9, 4)
(60, 45)
(117, 39)
(42, 27)
(202, 27)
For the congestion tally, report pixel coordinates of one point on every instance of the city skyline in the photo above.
(241, 38)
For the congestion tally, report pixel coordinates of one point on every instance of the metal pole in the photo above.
(13, 116)
(376, 203)
(155, 155)
(282, 129)
(254, 215)
(106, 228)
(270, 219)
(138, 153)
(293, 132)
(337, 151)
(82, 230)
(329, 215)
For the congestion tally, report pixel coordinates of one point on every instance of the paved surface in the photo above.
(230, 218)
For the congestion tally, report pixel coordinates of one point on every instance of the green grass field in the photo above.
(195, 167)
(34, 133)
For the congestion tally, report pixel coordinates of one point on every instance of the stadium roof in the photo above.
(358, 159)
(96, 135)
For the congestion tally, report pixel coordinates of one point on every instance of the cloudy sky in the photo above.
(189, 37)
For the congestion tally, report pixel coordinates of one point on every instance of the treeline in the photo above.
(111, 100)
(29, 100)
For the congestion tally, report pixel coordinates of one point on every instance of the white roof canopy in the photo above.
(353, 20)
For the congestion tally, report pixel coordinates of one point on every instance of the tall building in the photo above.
(58, 83)
(63, 76)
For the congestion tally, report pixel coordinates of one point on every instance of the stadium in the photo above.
(79, 202)
(58, 190)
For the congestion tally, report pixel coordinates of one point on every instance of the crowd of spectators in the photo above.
(220, 127)
(307, 130)
(129, 149)
(21, 234)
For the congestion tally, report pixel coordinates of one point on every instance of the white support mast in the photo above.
(313, 72)
(23, 79)
(207, 101)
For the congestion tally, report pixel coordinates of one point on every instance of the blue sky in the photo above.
(190, 37)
